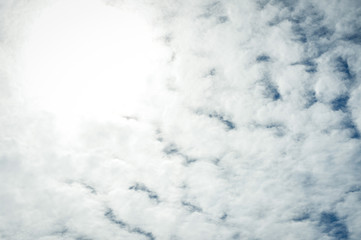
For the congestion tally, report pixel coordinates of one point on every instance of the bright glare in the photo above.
(86, 59)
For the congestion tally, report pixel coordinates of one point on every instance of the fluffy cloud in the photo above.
(180, 120)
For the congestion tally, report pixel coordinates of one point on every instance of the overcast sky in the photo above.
(180, 119)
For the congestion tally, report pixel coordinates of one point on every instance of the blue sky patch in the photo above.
(331, 224)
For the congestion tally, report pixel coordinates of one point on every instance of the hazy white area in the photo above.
(180, 120)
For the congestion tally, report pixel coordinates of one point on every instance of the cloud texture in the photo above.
(241, 122)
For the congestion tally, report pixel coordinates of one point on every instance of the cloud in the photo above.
(180, 120)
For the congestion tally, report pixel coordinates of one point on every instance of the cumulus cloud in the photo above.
(180, 120)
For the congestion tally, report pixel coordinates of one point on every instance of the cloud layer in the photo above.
(242, 121)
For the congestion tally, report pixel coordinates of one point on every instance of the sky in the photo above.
(173, 120)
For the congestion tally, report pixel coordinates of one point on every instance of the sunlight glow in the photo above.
(86, 59)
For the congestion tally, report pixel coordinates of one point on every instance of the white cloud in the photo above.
(180, 120)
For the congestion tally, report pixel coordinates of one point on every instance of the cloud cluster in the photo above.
(240, 120)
